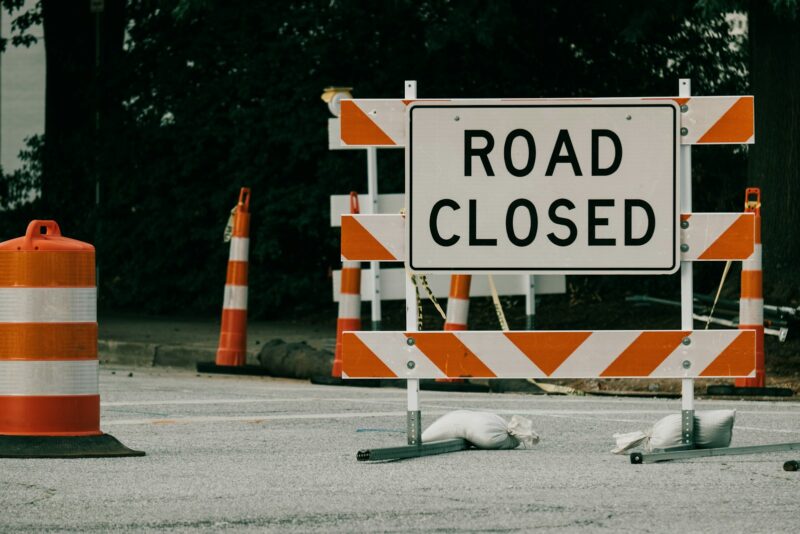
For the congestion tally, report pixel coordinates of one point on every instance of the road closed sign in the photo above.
(550, 187)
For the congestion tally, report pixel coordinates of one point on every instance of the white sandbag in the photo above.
(484, 430)
(712, 429)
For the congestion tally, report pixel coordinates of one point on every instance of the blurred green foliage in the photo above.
(218, 94)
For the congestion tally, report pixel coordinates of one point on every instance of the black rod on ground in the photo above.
(412, 451)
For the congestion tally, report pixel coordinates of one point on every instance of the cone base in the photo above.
(212, 367)
(102, 446)
(749, 391)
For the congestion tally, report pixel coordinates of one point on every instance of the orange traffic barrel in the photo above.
(349, 300)
(232, 349)
(49, 394)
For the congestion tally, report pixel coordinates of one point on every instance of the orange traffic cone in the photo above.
(232, 349)
(49, 396)
(349, 300)
(457, 309)
(751, 301)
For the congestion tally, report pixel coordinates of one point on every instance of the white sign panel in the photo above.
(566, 187)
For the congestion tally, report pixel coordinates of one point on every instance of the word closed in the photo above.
(568, 188)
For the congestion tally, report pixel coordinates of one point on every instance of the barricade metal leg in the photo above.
(374, 266)
(662, 456)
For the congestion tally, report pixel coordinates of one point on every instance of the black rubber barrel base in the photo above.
(748, 392)
(102, 446)
(211, 367)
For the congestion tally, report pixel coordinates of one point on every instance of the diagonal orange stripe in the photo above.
(645, 354)
(358, 129)
(738, 358)
(735, 242)
(358, 244)
(547, 350)
(735, 126)
(447, 352)
(358, 361)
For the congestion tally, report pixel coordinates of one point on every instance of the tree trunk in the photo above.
(774, 162)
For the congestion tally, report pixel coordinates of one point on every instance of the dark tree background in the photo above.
(196, 98)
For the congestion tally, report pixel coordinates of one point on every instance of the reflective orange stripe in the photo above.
(351, 281)
(645, 354)
(46, 269)
(48, 341)
(362, 362)
(237, 273)
(358, 243)
(450, 355)
(752, 286)
(735, 125)
(360, 129)
(734, 242)
(736, 359)
(57, 415)
(547, 350)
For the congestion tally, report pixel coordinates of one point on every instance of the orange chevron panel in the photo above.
(547, 350)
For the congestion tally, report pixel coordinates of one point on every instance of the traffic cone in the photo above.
(232, 349)
(751, 313)
(457, 310)
(751, 302)
(349, 300)
(49, 396)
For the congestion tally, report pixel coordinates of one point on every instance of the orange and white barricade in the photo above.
(49, 396)
(350, 300)
(232, 349)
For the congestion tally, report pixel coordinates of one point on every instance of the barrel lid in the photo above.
(45, 236)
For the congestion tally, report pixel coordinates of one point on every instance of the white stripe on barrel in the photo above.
(235, 298)
(44, 378)
(48, 305)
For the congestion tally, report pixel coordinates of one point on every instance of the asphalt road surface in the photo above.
(253, 455)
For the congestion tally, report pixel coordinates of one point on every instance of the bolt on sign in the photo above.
(550, 187)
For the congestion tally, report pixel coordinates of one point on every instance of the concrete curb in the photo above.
(140, 354)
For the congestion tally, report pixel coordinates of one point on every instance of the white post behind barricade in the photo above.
(374, 266)
(414, 419)
(530, 302)
(687, 289)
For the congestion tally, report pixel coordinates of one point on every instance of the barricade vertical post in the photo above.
(751, 301)
(414, 429)
(374, 266)
(530, 302)
(687, 289)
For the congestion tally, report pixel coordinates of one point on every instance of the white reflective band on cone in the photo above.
(235, 298)
(751, 312)
(48, 305)
(31, 378)
(457, 311)
(350, 306)
(240, 248)
(753, 263)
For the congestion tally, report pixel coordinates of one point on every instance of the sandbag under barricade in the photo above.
(713, 429)
(483, 430)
